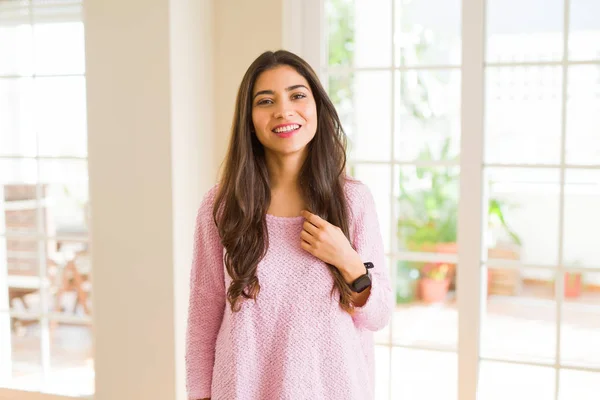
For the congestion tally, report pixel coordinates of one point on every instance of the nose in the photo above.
(283, 111)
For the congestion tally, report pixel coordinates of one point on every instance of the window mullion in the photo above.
(471, 212)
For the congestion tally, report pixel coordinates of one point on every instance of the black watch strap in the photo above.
(364, 281)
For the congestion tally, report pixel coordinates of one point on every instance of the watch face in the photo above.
(362, 283)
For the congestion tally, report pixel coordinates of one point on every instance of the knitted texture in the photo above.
(294, 342)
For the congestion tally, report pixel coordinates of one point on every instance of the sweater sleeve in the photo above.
(206, 303)
(376, 312)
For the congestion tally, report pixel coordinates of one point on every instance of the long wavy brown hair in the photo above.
(244, 193)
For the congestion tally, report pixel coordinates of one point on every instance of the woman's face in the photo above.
(284, 112)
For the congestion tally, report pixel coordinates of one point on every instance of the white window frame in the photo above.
(304, 31)
(68, 11)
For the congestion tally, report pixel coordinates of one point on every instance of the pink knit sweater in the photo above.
(294, 342)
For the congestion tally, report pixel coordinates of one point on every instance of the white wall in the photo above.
(243, 30)
(162, 80)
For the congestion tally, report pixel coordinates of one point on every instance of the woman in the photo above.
(283, 299)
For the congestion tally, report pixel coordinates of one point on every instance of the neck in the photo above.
(284, 170)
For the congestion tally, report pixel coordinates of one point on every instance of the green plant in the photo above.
(435, 271)
(340, 23)
(428, 215)
(572, 278)
(428, 210)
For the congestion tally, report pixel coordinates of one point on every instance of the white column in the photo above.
(194, 165)
(243, 30)
(151, 146)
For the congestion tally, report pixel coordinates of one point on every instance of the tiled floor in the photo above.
(513, 328)
(71, 360)
(519, 328)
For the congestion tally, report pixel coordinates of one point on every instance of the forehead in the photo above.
(279, 78)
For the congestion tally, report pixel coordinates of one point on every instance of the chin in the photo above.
(288, 148)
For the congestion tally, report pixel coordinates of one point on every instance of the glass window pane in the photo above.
(382, 372)
(580, 341)
(359, 32)
(427, 207)
(520, 323)
(523, 213)
(501, 381)
(580, 385)
(340, 31)
(22, 369)
(583, 118)
(59, 48)
(71, 360)
(60, 116)
(584, 35)
(427, 115)
(17, 129)
(16, 45)
(427, 212)
(430, 319)
(18, 197)
(22, 261)
(378, 178)
(67, 185)
(365, 108)
(424, 375)
(424, 37)
(340, 89)
(582, 196)
(523, 115)
(383, 336)
(69, 270)
(524, 30)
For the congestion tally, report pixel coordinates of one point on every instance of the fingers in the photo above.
(313, 219)
(310, 228)
(306, 246)
(307, 237)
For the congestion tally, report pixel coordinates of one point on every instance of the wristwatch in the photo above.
(361, 283)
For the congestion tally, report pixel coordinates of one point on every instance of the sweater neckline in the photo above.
(289, 220)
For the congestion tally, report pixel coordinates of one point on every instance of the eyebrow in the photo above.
(288, 89)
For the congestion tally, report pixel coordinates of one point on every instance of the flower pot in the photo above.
(433, 290)
(572, 285)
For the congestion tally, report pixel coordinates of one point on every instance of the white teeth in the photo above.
(286, 128)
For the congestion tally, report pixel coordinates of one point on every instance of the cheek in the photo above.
(255, 117)
(309, 113)
(258, 119)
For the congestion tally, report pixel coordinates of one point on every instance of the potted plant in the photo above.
(428, 214)
(573, 285)
(434, 282)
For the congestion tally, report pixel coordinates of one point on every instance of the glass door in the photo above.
(393, 70)
(490, 108)
(540, 328)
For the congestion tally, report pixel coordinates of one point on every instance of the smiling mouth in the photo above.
(286, 129)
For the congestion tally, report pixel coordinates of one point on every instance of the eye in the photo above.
(298, 96)
(264, 102)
